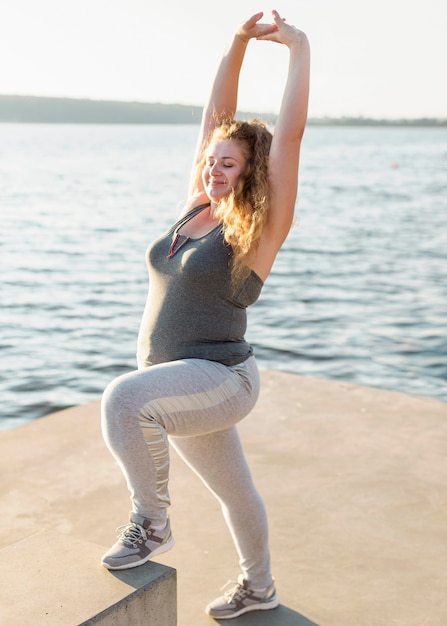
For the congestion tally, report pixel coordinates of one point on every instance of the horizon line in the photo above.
(322, 118)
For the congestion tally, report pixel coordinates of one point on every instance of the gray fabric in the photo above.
(191, 311)
(196, 404)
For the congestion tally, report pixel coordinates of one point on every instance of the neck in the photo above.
(213, 209)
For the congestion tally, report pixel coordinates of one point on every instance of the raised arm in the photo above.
(222, 102)
(288, 132)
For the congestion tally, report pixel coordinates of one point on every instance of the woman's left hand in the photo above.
(253, 29)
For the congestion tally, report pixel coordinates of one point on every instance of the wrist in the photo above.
(299, 42)
(240, 38)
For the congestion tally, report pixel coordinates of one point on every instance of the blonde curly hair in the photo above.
(243, 212)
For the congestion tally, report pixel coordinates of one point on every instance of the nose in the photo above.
(215, 169)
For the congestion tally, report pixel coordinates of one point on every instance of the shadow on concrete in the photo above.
(281, 616)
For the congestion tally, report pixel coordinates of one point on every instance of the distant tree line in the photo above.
(367, 121)
(36, 109)
(78, 111)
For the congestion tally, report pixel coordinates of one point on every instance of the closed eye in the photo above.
(230, 163)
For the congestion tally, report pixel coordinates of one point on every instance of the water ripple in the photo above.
(358, 292)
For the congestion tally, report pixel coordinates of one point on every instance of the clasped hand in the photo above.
(278, 31)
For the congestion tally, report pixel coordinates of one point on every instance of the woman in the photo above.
(197, 375)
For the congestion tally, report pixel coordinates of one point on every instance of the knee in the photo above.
(117, 401)
(130, 398)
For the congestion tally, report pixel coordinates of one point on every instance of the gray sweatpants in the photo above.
(196, 403)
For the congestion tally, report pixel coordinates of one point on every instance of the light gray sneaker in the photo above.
(137, 543)
(240, 599)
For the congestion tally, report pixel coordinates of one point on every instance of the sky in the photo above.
(370, 58)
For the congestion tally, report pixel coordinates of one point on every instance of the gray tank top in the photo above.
(192, 311)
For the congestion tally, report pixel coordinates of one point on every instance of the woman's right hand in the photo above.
(253, 29)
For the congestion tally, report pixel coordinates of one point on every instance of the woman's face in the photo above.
(225, 164)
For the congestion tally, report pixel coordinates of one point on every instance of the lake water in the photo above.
(358, 293)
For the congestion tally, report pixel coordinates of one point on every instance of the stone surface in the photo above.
(354, 480)
(55, 579)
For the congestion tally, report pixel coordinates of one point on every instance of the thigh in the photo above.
(189, 397)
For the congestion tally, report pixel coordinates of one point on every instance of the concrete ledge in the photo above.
(354, 480)
(53, 579)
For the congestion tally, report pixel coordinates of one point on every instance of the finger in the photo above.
(277, 18)
(266, 29)
(254, 19)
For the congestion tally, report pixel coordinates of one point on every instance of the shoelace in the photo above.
(236, 592)
(131, 533)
